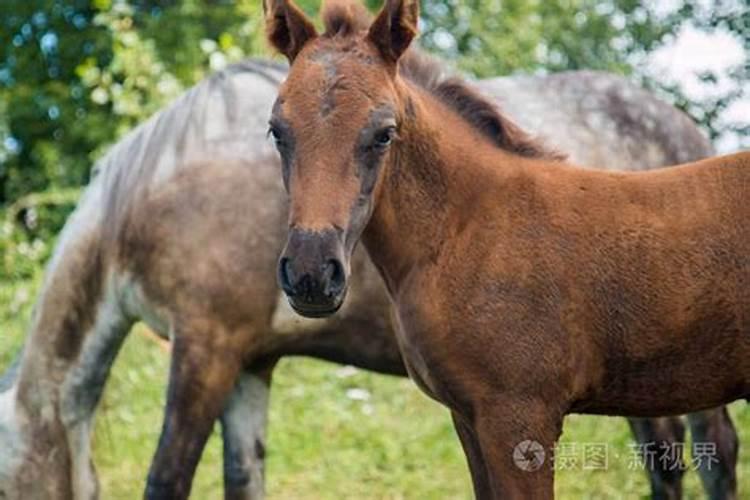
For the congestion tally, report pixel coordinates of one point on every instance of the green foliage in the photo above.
(499, 37)
(28, 229)
(50, 122)
(733, 17)
(74, 76)
(136, 83)
(232, 29)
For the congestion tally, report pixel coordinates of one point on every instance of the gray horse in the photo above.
(181, 226)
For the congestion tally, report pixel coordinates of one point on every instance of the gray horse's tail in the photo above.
(8, 378)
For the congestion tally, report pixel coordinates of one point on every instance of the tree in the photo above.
(51, 123)
(75, 75)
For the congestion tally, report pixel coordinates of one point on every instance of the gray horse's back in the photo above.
(600, 119)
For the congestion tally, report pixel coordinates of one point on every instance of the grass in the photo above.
(334, 432)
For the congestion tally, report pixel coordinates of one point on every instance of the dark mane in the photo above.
(345, 18)
(483, 114)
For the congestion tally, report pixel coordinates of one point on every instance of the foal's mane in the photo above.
(344, 18)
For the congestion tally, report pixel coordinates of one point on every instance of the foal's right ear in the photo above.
(395, 28)
(288, 29)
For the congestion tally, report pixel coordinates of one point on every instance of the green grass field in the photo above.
(334, 432)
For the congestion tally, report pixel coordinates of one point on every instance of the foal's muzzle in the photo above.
(311, 272)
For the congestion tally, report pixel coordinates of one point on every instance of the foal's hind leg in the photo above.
(206, 361)
(243, 425)
(718, 471)
(660, 440)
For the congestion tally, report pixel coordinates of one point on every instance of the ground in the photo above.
(336, 432)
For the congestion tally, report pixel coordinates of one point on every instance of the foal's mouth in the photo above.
(310, 310)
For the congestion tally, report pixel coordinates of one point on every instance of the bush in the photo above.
(28, 231)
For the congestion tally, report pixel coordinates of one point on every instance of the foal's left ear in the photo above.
(395, 28)
(288, 29)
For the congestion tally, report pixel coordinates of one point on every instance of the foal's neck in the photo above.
(441, 173)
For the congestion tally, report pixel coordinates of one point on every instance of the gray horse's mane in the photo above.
(176, 133)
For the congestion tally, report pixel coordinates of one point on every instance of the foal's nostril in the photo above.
(333, 278)
(286, 280)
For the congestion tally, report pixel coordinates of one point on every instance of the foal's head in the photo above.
(336, 125)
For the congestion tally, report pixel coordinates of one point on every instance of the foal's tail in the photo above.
(8, 378)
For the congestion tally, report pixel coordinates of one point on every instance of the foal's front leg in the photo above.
(202, 373)
(473, 452)
(517, 439)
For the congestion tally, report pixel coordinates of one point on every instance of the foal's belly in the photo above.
(703, 371)
(660, 402)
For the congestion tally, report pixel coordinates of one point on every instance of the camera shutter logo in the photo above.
(528, 455)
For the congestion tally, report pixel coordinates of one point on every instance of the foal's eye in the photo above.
(384, 137)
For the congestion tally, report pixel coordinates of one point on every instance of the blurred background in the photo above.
(76, 75)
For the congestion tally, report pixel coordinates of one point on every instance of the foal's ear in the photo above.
(288, 29)
(395, 28)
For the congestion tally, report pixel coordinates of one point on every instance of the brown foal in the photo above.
(524, 288)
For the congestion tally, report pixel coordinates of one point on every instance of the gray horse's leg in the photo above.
(8, 378)
(206, 363)
(716, 459)
(48, 411)
(243, 429)
(712, 430)
(657, 438)
(10, 438)
(82, 390)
